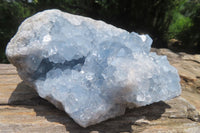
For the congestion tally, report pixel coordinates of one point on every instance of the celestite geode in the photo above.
(90, 69)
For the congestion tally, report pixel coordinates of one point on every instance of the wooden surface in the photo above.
(23, 111)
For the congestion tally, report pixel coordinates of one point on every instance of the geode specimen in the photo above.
(90, 69)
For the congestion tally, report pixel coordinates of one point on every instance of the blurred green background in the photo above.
(173, 24)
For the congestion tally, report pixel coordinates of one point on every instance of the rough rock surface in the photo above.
(91, 70)
(22, 110)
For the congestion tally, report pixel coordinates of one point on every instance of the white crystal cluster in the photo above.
(90, 69)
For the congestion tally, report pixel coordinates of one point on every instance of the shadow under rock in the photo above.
(27, 97)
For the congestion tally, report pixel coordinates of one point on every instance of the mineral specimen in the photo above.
(90, 69)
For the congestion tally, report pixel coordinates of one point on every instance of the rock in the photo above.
(22, 110)
(91, 70)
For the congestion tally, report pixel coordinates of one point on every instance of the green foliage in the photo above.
(185, 25)
(179, 24)
(161, 19)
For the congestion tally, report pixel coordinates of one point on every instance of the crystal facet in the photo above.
(90, 69)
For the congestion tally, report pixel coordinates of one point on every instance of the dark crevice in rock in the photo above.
(192, 60)
(46, 65)
(3, 104)
(194, 119)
